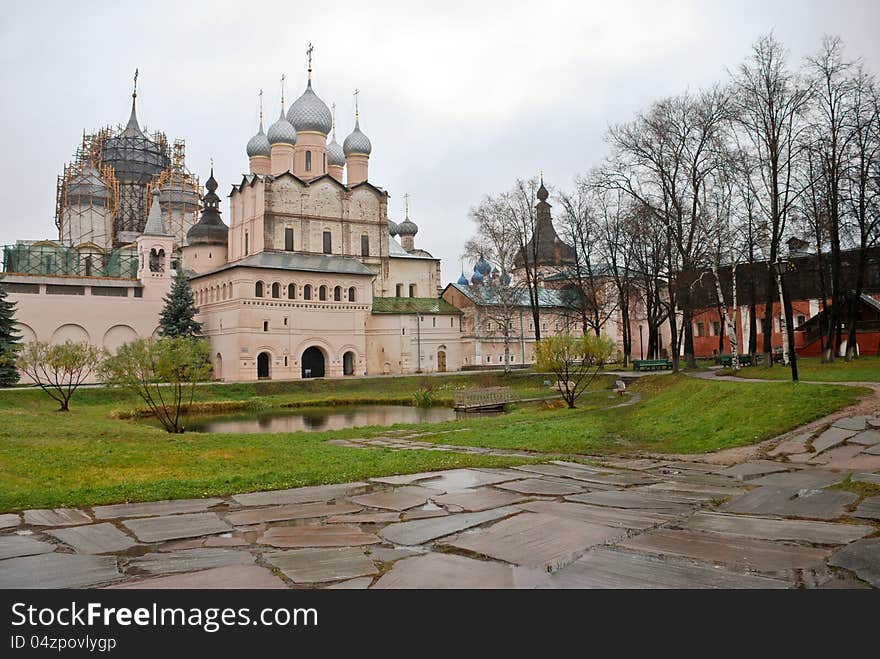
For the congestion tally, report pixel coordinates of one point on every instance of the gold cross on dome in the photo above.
(309, 52)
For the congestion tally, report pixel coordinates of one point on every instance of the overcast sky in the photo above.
(458, 99)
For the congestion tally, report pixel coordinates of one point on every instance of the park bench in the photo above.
(488, 398)
(651, 364)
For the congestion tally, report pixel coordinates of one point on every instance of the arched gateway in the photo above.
(313, 363)
(263, 366)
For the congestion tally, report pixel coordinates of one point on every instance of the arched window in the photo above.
(412, 290)
(276, 290)
(258, 289)
(328, 242)
(337, 294)
(351, 294)
(291, 291)
(365, 245)
(307, 292)
(308, 161)
(224, 291)
(322, 293)
(157, 260)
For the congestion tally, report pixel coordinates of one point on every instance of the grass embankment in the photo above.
(677, 414)
(811, 369)
(86, 457)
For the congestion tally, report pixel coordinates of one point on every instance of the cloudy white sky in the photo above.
(458, 98)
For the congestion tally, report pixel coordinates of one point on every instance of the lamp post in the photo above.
(782, 268)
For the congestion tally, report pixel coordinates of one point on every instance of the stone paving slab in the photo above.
(631, 500)
(189, 560)
(391, 554)
(790, 502)
(674, 491)
(836, 456)
(851, 423)
(812, 479)
(588, 474)
(229, 577)
(94, 538)
(406, 479)
(746, 471)
(364, 518)
(861, 557)
(866, 438)
(455, 480)
(446, 571)
(10, 520)
(427, 511)
(535, 539)
(424, 530)
(13, 545)
(819, 533)
(361, 583)
(682, 465)
(288, 512)
(299, 494)
(307, 566)
(56, 517)
(58, 571)
(158, 529)
(603, 567)
(791, 446)
(749, 553)
(399, 499)
(873, 479)
(873, 450)
(832, 437)
(154, 508)
(868, 509)
(226, 540)
(483, 498)
(541, 486)
(861, 462)
(615, 517)
(334, 535)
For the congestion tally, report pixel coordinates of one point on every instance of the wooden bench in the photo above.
(651, 364)
(489, 398)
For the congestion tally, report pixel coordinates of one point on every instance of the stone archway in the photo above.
(441, 361)
(313, 363)
(348, 362)
(218, 367)
(263, 366)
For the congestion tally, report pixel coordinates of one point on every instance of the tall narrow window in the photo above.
(288, 239)
(246, 249)
(365, 245)
(276, 290)
(291, 291)
(322, 293)
(351, 294)
(265, 325)
(307, 292)
(337, 294)
(412, 290)
(399, 290)
(308, 161)
(328, 242)
(258, 289)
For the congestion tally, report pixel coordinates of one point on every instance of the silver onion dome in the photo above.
(393, 227)
(281, 132)
(88, 188)
(335, 155)
(310, 114)
(357, 142)
(258, 145)
(407, 228)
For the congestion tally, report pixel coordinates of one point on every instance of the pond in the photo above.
(313, 419)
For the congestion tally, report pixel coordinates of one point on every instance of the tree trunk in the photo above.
(783, 325)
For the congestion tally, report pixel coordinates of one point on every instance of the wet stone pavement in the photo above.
(777, 522)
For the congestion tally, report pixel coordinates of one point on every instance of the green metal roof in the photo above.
(404, 305)
(299, 261)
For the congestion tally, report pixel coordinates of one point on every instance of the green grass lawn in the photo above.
(87, 456)
(863, 369)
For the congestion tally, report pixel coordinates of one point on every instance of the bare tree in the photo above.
(769, 106)
(59, 369)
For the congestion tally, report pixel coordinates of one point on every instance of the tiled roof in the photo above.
(299, 261)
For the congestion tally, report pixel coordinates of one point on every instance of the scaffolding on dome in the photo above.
(179, 194)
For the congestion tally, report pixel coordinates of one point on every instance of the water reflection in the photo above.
(313, 419)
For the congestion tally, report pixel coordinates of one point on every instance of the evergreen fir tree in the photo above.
(9, 339)
(177, 315)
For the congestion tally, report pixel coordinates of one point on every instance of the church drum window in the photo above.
(307, 292)
(337, 294)
(276, 290)
(351, 294)
(288, 239)
(322, 293)
(308, 161)
(328, 242)
(291, 291)
(365, 245)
